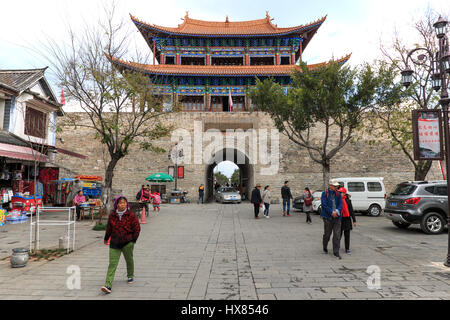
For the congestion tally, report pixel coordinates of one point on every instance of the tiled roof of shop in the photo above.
(20, 80)
(252, 27)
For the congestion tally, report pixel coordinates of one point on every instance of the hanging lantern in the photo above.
(407, 77)
(436, 81)
(440, 27)
(446, 62)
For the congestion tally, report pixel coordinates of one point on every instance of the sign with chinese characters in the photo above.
(427, 135)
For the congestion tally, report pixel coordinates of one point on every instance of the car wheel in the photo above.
(401, 225)
(374, 210)
(432, 223)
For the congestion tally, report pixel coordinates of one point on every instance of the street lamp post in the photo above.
(440, 70)
(176, 153)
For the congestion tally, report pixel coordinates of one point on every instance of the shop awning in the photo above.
(71, 153)
(21, 153)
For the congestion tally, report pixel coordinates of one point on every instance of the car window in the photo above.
(228, 190)
(374, 186)
(356, 187)
(404, 189)
(441, 190)
(430, 189)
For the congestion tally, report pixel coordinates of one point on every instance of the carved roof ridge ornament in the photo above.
(226, 20)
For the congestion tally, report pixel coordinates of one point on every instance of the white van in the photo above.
(367, 194)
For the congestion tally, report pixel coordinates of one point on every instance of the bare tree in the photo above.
(106, 94)
(394, 122)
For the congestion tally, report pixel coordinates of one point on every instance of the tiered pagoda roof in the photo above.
(189, 70)
(259, 27)
(238, 29)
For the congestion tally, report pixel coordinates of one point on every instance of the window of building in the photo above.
(170, 60)
(374, 186)
(262, 61)
(285, 60)
(35, 123)
(356, 187)
(227, 61)
(194, 61)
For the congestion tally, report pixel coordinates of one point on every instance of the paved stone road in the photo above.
(218, 251)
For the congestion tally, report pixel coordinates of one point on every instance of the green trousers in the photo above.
(114, 257)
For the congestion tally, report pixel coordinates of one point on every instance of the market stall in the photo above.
(92, 189)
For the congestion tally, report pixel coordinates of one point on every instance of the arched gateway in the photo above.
(246, 179)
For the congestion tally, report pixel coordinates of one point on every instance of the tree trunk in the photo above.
(421, 170)
(107, 190)
(325, 173)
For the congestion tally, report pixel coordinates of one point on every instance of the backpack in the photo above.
(156, 199)
(308, 200)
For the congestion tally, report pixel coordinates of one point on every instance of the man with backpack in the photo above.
(331, 213)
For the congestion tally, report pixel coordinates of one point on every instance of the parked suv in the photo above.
(419, 202)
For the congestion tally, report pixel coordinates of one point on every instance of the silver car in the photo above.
(419, 202)
(228, 194)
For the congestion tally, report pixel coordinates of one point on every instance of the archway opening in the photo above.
(229, 162)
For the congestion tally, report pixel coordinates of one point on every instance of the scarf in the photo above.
(120, 213)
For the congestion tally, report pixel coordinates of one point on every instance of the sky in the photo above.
(226, 167)
(352, 26)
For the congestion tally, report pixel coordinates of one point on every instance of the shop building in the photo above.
(28, 116)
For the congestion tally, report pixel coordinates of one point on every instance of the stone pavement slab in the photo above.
(216, 251)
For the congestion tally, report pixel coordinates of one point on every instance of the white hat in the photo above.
(334, 182)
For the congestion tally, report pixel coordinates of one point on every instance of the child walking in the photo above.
(156, 201)
(123, 228)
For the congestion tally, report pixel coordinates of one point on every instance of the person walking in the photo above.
(266, 200)
(256, 199)
(156, 202)
(331, 213)
(77, 201)
(145, 199)
(201, 193)
(307, 204)
(348, 216)
(123, 228)
(286, 195)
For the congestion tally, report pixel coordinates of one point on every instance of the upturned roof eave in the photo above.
(208, 72)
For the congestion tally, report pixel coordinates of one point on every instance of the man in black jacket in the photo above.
(286, 195)
(256, 199)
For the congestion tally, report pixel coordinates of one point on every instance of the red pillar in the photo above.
(162, 61)
(208, 59)
(247, 59)
(293, 58)
(177, 59)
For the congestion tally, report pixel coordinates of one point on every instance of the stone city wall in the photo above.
(356, 159)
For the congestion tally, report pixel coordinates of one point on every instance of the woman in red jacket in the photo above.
(123, 228)
(347, 216)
